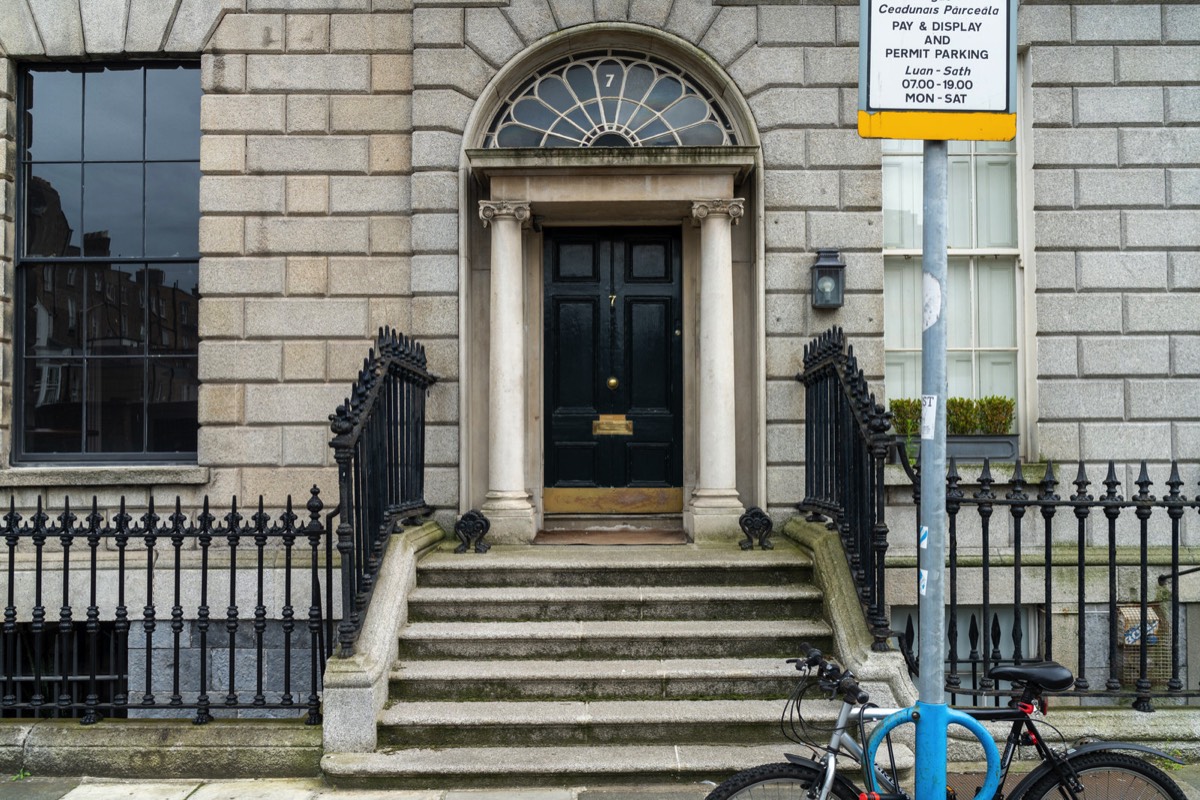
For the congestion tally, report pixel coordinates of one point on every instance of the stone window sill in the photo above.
(75, 476)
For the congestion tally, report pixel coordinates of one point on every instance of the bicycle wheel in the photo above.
(781, 781)
(1107, 775)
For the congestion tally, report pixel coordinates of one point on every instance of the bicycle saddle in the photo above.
(1047, 674)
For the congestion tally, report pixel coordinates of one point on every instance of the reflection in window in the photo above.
(110, 187)
(610, 99)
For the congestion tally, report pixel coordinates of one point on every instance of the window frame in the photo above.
(67, 265)
(974, 255)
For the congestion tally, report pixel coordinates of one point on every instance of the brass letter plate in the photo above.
(612, 425)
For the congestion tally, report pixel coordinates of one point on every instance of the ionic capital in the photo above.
(503, 209)
(734, 209)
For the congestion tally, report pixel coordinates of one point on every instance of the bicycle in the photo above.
(1087, 772)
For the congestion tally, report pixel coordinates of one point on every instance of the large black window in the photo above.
(107, 268)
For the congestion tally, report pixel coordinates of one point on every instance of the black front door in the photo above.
(614, 380)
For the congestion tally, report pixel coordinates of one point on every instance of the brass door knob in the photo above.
(613, 383)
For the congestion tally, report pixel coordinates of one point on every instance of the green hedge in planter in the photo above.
(991, 416)
(996, 415)
(906, 416)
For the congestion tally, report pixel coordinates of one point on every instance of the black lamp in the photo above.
(828, 279)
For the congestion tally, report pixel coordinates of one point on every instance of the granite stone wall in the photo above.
(331, 189)
(1115, 148)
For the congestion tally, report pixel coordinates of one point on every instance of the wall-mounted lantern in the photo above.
(828, 280)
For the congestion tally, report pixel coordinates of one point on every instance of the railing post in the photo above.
(65, 625)
(954, 498)
(880, 444)
(345, 547)
(315, 531)
(1175, 513)
(12, 521)
(1082, 501)
(37, 697)
(1111, 503)
(983, 498)
(1143, 498)
(150, 539)
(92, 713)
(204, 539)
(1017, 509)
(1046, 499)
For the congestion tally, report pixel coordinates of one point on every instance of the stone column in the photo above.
(715, 505)
(507, 504)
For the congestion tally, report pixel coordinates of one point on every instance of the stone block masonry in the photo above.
(310, 152)
(1106, 136)
(332, 143)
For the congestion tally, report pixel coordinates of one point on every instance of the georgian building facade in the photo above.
(600, 218)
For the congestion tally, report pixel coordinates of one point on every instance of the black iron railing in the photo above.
(1029, 551)
(379, 446)
(846, 446)
(158, 616)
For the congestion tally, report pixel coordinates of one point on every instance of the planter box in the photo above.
(972, 449)
(976, 447)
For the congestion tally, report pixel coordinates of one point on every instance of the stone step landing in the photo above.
(611, 679)
(604, 722)
(481, 767)
(613, 603)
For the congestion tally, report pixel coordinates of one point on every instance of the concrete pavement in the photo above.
(35, 788)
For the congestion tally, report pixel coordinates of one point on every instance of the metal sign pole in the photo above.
(931, 724)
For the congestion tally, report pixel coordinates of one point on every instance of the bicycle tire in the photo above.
(782, 781)
(1106, 775)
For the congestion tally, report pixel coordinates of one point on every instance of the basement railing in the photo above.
(379, 446)
(208, 612)
(1022, 560)
(1018, 559)
(159, 616)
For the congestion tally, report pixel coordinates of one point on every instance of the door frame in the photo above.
(645, 187)
(623, 500)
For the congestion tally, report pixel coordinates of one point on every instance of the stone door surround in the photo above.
(606, 187)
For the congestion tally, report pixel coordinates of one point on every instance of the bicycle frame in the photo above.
(1023, 731)
(840, 742)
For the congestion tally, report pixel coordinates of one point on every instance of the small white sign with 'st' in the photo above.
(928, 415)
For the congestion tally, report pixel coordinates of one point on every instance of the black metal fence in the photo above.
(205, 615)
(1113, 557)
(160, 614)
(1022, 560)
(379, 445)
(846, 444)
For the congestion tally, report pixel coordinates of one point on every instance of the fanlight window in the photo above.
(609, 99)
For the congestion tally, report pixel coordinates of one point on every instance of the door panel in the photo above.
(613, 350)
(578, 324)
(649, 328)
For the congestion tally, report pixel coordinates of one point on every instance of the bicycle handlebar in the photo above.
(840, 682)
(812, 656)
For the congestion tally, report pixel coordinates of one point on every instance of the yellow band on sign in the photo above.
(937, 125)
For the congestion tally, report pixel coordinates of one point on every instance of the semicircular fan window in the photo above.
(609, 99)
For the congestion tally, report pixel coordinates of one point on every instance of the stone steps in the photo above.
(588, 640)
(689, 565)
(612, 603)
(612, 679)
(530, 666)
(480, 767)
(604, 722)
